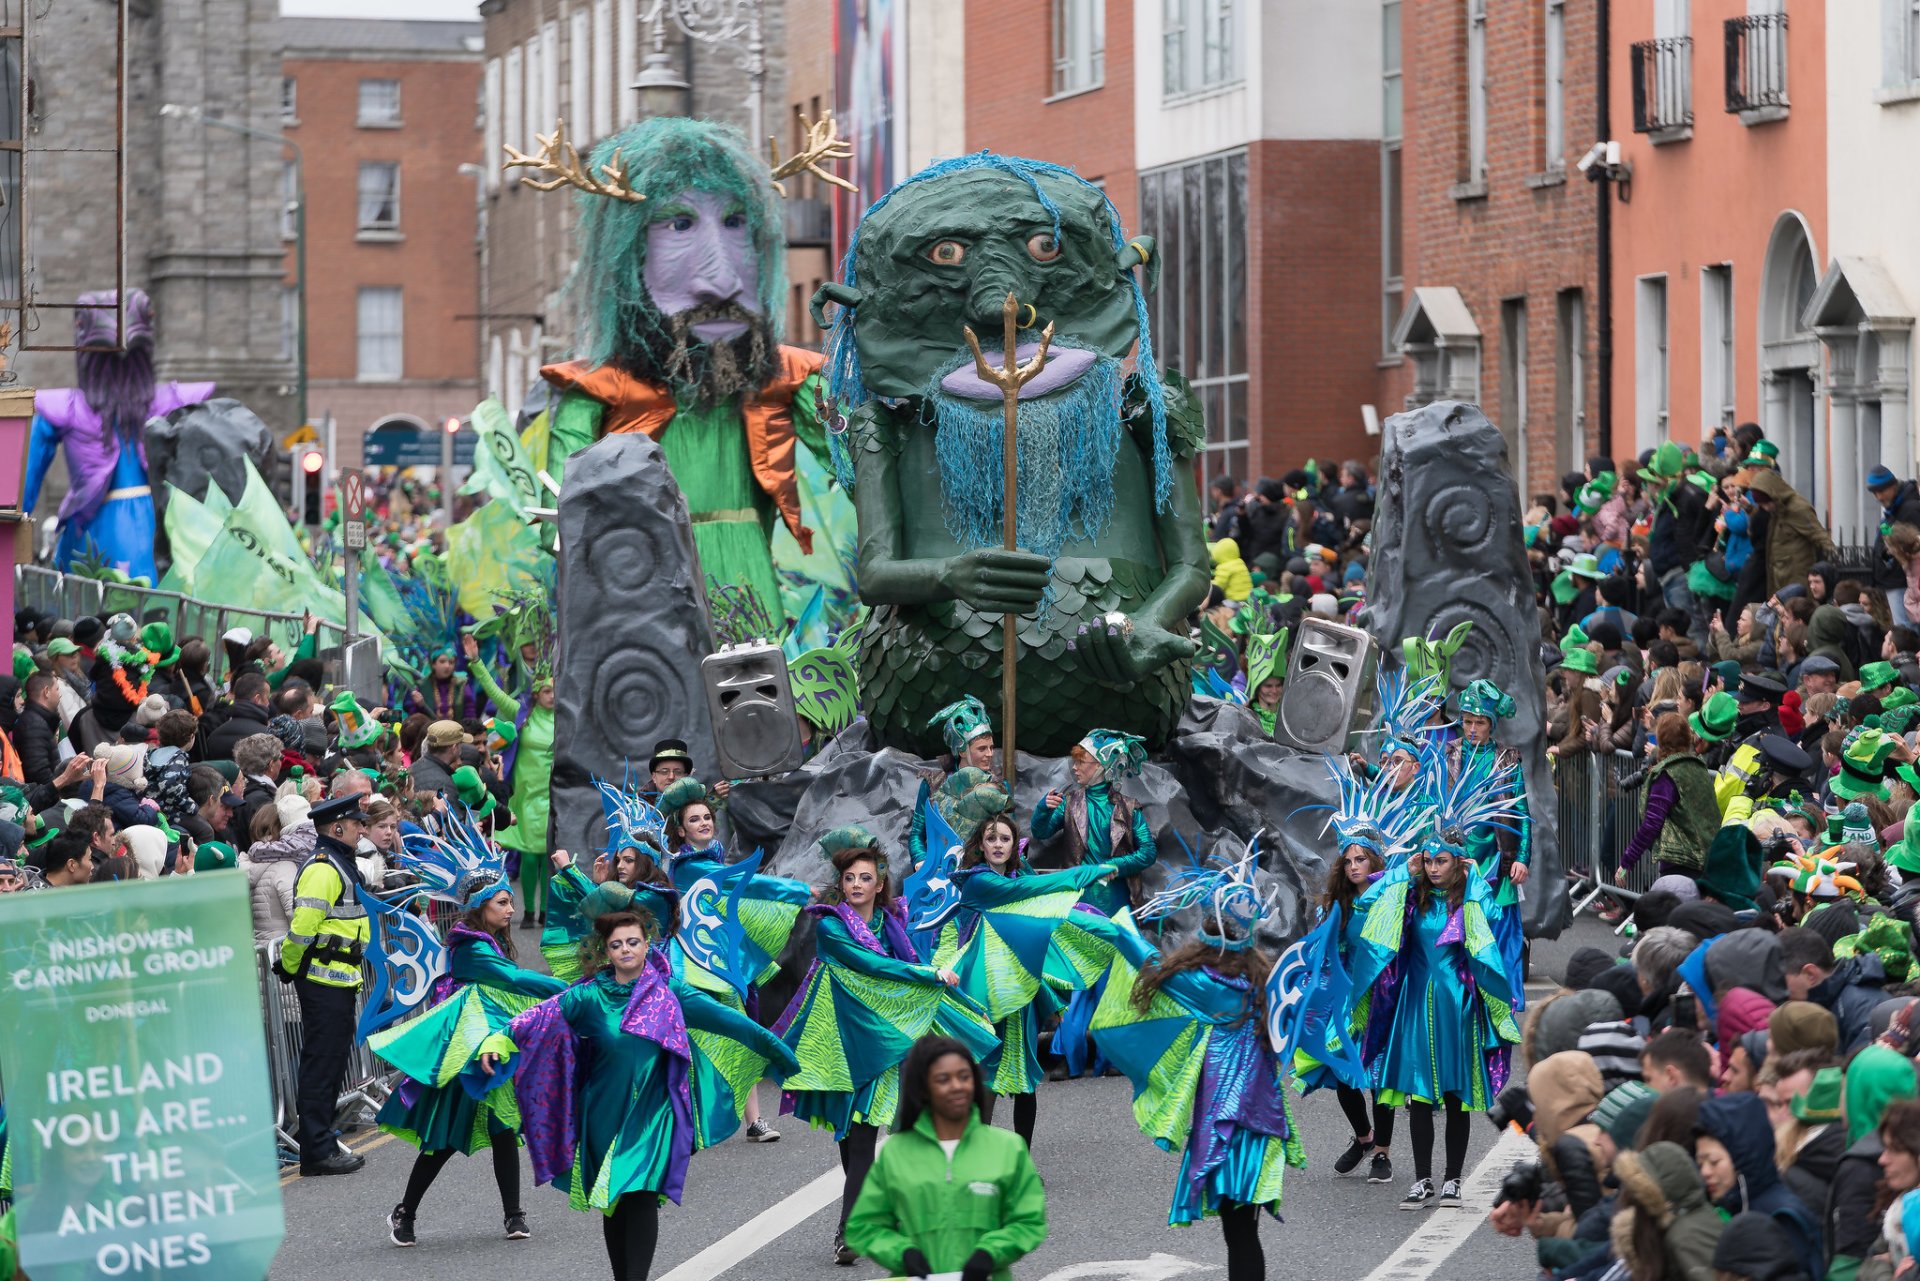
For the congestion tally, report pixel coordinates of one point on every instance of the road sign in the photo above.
(353, 508)
(301, 435)
(396, 446)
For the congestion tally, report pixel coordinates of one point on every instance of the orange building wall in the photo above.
(1712, 199)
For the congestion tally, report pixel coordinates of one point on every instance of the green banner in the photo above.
(139, 1120)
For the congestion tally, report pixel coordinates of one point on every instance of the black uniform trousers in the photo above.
(326, 1038)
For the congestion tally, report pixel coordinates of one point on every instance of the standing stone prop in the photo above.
(633, 628)
(1448, 548)
(198, 446)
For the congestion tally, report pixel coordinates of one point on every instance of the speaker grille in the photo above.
(755, 734)
(1314, 708)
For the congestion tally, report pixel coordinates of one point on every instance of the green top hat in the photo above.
(214, 856)
(1669, 462)
(1582, 661)
(357, 729)
(1484, 698)
(1820, 1104)
(157, 638)
(1593, 495)
(1585, 565)
(680, 794)
(473, 791)
(1875, 675)
(1893, 700)
(1716, 717)
(1576, 638)
(1863, 764)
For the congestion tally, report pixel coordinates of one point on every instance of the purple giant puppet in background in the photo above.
(108, 511)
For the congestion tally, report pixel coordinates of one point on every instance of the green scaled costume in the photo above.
(1206, 1083)
(1112, 554)
(1000, 943)
(864, 1002)
(446, 1102)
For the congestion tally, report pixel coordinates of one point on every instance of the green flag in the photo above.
(493, 555)
(140, 1125)
(502, 469)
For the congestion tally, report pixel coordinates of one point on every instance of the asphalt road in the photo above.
(766, 1212)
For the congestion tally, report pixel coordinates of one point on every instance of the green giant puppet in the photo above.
(1112, 557)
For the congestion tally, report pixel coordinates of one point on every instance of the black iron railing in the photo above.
(1662, 73)
(1756, 61)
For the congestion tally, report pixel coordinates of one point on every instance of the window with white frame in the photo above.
(493, 136)
(1392, 282)
(1650, 361)
(1716, 346)
(1900, 46)
(1476, 91)
(549, 104)
(1079, 45)
(1570, 382)
(1513, 380)
(1198, 316)
(289, 321)
(379, 195)
(289, 98)
(1553, 117)
(580, 69)
(289, 199)
(513, 105)
(379, 104)
(380, 331)
(603, 54)
(1199, 45)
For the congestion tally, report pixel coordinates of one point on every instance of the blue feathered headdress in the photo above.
(1375, 814)
(454, 862)
(1225, 890)
(1407, 705)
(632, 821)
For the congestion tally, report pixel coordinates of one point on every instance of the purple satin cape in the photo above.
(893, 922)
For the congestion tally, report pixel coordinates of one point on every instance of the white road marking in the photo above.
(1157, 1266)
(763, 1229)
(1445, 1231)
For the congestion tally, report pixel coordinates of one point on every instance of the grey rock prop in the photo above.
(1448, 548)
(206, 444)
(633, 628)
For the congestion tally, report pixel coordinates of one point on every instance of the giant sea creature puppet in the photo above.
(1110, 556)
(107, 516)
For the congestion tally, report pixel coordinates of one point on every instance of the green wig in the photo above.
(663, 157)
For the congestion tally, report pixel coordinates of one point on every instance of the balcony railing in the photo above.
(809, 220)
(1756, 62)
(1662, 84)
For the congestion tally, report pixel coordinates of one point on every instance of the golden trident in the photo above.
(1010, 378)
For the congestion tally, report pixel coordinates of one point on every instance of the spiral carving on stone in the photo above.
(1460, 521)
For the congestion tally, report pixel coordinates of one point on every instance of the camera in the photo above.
(1525, 1182)
(1512, 1106)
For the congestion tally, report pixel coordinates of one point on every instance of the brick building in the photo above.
(1488, 233)
(1246, 140)
(386, 113)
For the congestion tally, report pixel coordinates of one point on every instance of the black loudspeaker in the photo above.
(755, 730)
(1329, 686)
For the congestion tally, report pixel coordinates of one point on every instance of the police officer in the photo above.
(320, 956)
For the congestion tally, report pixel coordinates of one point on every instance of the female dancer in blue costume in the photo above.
(1189, 1029)
(615, 1091)
(999, 943)
(434, 1109)
(1441, 1025)
(1101, 826)
(1500, 854)
(768, 912)
(863, 1004)
(622, 879)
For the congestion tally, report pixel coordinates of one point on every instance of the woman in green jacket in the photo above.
(531, 774)
(948, 1193)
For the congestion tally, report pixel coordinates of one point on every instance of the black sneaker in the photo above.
(517, 1226)
(1380, 1169)
(400, 1226)
(338, 1163)
(841, 1254)
(1419, 1196)
(1450, 1195)
(1350, 1159)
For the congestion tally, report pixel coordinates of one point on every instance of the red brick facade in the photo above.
(1525, 232)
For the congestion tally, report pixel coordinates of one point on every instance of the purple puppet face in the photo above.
(701, 261)
(96, 322)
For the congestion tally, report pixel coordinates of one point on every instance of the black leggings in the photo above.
(631, 1231)
(1354, 1104)
(506, 1173)
(856, 1158)
(1240, 1224)
(1420, 1123)
(1026, 1110)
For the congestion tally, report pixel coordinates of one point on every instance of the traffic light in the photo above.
(312, 464)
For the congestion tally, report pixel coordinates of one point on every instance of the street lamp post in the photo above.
(716, 22)
(181, 112)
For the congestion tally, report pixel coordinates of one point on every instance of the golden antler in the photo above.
(559, 158)
(824, 143)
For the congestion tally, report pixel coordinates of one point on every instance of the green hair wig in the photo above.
(663, 157)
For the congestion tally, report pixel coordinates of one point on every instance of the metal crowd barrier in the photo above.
(1599, 813)
(368, 1082)
(73, 595)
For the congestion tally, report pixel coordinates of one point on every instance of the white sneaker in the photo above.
(1419, 1196)
(1450, 1195)
(761, 1132)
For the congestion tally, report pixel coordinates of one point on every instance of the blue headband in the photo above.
(480, 897)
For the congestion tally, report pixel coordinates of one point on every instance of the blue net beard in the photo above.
(1068, 442)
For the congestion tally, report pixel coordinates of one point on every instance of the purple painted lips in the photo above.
(1064, 366)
